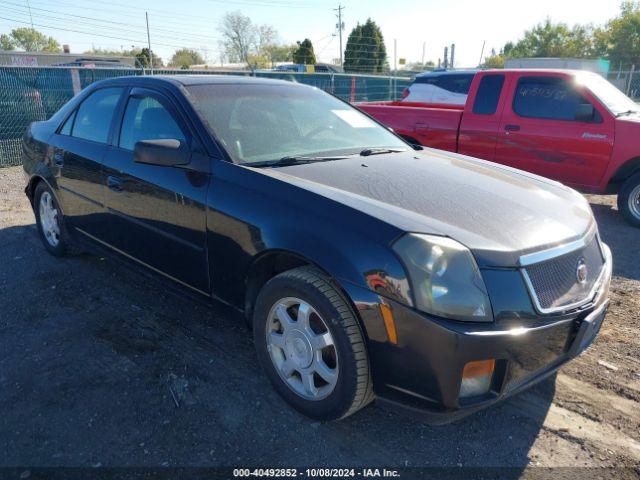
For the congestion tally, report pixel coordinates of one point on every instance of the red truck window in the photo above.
(488, 94)
(552, 98)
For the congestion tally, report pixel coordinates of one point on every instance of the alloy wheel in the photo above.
(302, 348)
(49, 219)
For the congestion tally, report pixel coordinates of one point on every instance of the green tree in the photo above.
(143, 58)
(108, 52)
(141, 55)
(280, 53)
(185, 57)
(304, 54)
(6, 43)
(494, 60)
(420, 67)
(619, 40)
(548, 39)
(30, 40)
(258, 61)
(365, 50)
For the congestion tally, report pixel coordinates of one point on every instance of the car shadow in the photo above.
(622, 238)
(104, 365)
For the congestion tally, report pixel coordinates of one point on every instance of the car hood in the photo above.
(500, 213)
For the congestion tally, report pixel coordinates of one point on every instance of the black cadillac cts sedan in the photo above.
(367, 269)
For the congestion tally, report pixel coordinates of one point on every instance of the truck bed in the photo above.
(432, 125)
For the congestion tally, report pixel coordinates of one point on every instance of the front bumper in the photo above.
(423, 372)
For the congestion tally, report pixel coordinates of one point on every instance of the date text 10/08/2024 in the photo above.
(316, 472)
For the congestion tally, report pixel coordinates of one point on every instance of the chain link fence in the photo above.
(29, 94)
(627, 81)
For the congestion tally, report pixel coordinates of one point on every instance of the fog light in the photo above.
(476, 378)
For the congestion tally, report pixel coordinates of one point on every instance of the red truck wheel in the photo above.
(629, 200)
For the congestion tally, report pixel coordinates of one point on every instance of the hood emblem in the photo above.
(582, 272)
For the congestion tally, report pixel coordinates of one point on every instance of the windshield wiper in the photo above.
(628, 112)
(293, 160)
(377, 151)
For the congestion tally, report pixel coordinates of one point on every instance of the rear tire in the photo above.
(629, 200)
(50, 223)
(328, 382)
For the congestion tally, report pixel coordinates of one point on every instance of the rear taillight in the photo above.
(405, 93)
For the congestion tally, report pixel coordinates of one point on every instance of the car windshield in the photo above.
(260, 122)
(612, 98)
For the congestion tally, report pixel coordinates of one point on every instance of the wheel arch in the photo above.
(623, 172)
(272, 262)
(33, 183)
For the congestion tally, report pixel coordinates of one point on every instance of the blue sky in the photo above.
(436, 23)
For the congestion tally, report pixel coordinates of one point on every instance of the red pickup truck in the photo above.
(570, 126)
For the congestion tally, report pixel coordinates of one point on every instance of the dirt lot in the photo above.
(101, 366)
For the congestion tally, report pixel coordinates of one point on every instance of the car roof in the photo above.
(438, 73)
(188, 80)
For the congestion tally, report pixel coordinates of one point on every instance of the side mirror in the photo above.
(164, 153)
(584, 112)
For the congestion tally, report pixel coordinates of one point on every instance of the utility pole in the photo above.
(395, 68)
(481, 53)
(149, 43)
(424, 46)
(395, 56)
(30, 16)
(340, 26)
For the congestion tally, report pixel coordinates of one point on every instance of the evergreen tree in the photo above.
(304, 54)
(365, 51)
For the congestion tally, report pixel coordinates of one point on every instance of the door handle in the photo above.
(512, 128)
(114, 183)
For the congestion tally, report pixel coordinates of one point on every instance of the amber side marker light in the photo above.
(476, 378)
(389, 323)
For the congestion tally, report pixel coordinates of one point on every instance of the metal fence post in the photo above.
(633, 68)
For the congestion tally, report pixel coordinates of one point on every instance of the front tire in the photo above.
(629, 200)
(50, 223)
(310, 345)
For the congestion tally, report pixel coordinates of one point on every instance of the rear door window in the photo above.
(426, 80)
(488, 95)
(549, 98)
(95, 114)
(452, 83)
(456, 83)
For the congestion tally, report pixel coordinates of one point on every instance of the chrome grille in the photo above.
(554, 283)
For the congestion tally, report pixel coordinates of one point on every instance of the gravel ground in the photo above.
(102, 366)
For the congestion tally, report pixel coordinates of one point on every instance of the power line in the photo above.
(138, 27)
(95, 19)
(192, 18)
(91, 33)
(256, 3)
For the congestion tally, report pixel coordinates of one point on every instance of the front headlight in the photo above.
(444, 277)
